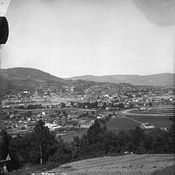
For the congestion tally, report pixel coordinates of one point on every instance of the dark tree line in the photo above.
(41, 146)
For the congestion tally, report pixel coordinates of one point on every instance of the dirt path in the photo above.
(137, 121)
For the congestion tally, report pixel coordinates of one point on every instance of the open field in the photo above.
(151, 112)
(167, 111)
(158, 121)
(145, 164)
(158, 116)
(130, 122)
(117, 124)
(69, 136)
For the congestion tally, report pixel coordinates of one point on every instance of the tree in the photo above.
(95, 105)
(104, 105)
(75, 147)
(4, 145)
(43, 143)
(110, 143)
(96, 131)
(124, 141)
(28, 114)
(62, 153)
(19, 149)
(172, 137)
(137, 137)
(121, 106)
(63, 105)
(157, 141)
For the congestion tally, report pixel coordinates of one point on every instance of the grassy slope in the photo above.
(167, 171)
(126, 165)
(146, 164)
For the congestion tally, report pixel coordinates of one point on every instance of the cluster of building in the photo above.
(61, 122)
(24, 109)
(129, 96)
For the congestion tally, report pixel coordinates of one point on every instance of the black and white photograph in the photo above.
(87, 87)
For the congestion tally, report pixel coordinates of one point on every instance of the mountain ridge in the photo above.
(19, 74)
(23, 71)
(20, 79)
(160, 79)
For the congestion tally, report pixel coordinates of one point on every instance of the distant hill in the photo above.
(163, 79)
(6, 87)
(28, 74)
(28, 79)
(22, 79)
(15, 80)
(34, 77)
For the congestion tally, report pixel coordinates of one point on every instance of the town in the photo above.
(74, 111)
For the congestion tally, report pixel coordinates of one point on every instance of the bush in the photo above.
(41, 145)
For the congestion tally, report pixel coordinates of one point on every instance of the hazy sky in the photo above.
(77, 37)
